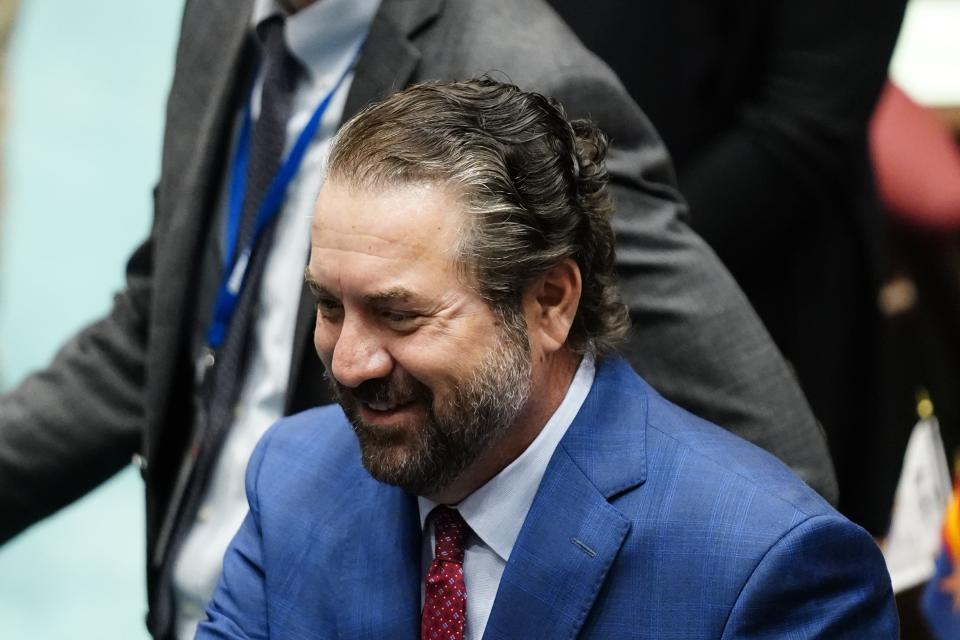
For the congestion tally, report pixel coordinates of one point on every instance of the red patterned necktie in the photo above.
(445, 601)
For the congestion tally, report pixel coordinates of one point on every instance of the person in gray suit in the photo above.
(128, 384)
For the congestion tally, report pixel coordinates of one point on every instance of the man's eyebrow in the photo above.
(394, 294)
(315, 287)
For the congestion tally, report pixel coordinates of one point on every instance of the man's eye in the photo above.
(329, 307)
(399, 317)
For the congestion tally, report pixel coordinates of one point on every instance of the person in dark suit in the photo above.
(463, 265)
(128, 384)
(764, 108)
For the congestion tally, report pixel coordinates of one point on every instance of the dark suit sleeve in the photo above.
(70, 426)
(800, 135)
(696, 339)
(238, 609)
(825, 578)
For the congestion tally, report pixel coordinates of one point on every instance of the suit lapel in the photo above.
(199, 121)
(387, 64)
(390, 56)
(380, 576)
(215, 47)
(572, 533)
(568, 542)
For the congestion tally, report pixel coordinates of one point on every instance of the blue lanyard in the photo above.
(237, 258)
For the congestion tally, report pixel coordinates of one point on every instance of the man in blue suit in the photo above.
(494, 470)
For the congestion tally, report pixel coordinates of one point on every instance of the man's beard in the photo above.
(424, 458)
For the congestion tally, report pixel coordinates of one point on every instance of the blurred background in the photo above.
(85, 89)
(83, 99)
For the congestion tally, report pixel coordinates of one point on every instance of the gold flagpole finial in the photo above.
(924, 405)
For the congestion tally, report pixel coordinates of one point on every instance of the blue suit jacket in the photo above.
(649, 523)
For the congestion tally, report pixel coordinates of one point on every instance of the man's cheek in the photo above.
(323, 343)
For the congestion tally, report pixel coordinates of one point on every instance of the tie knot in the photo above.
(270, 32)
(451, 533)
(275, 57)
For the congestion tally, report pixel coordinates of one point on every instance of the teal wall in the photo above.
(86, 87)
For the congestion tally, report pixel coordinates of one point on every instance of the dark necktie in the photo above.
(445, 596)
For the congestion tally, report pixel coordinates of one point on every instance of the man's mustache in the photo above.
(394, 390)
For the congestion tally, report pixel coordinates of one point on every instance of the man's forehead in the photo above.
(421, 215)
(368, 241)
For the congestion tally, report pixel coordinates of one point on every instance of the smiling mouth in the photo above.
(378, 412)
(388, 403)
(384, 406)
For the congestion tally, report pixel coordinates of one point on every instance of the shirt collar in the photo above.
(496, 511)
(317, 35)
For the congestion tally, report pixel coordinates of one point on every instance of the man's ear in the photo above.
(551, 302)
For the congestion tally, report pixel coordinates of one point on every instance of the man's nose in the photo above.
(359, 355)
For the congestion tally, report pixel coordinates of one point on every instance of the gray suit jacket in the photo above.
(125, 384)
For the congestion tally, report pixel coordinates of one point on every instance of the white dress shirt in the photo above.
(495, 512)
(324, 38)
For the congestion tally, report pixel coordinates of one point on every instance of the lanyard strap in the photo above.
(237, 258)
